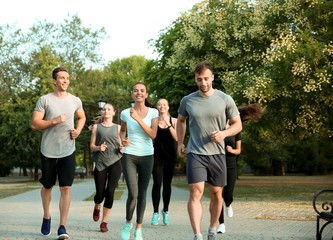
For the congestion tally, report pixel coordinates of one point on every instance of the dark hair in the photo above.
(251, 112)
(56, 70)
(201, 66)
(147, 103)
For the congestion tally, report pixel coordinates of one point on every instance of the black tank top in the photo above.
(165, 146)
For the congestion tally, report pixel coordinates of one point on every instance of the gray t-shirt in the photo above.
(206, 115)
(109, 135)
(56, 140)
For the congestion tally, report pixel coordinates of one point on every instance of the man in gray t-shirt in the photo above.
(208, 110)
(54, 114)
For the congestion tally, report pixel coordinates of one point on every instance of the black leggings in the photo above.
(228, 191)
(162, 172)
(106, 182)
(137, 171)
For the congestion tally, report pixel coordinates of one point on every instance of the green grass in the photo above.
(275, 188)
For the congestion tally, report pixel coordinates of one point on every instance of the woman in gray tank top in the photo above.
(107, 147)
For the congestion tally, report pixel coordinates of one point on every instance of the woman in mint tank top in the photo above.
(106, 144)
(140, 123)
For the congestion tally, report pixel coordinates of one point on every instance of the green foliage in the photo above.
(26, 64)
(277, 53)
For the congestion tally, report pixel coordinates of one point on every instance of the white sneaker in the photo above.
(221, 228)
(229, 211)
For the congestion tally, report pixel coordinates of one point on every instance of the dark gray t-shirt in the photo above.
(56, 140)
(206, 115)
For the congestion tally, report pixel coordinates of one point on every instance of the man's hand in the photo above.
(74, 133)
(181, 150)
(61, 118)
(217, 136)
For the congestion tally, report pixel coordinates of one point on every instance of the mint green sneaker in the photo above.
(125, 233)
(165, 217)
(156, 217)
(138, 234)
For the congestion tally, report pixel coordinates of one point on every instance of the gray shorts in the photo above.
(206, 168)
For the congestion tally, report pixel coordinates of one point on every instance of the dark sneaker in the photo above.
(104, 227)
(46, 227)
(96, 214)
(62, 234)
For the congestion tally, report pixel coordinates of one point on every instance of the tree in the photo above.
(277, 53)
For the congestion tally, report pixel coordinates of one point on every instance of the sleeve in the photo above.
(40, 105)
(123, 115)
(238, 137)
(78, 104)
(154, 113)
(231, 108)
(182, 107)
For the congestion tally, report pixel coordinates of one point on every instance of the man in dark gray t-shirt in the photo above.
(54, 114)
(208, 110)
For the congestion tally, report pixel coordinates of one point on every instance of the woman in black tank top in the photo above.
(165, 156)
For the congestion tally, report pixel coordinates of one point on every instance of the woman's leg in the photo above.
(114, 172)
(145, 168)
(168, 171)
(156, 191)
(129, 164)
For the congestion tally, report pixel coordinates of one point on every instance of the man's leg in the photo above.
(215, 206)
(194, 205)
(46, 195)
(64, 203)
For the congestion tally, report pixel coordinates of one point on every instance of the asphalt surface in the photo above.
(21, 218)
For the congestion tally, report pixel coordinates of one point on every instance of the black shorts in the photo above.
(206, 168)
(63, 167)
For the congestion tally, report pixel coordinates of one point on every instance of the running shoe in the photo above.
(96, 214)
(62, 234)
(138, 234)
(165, 217)
(125, 233)
(221, 228)
(104, 227)
(156, 217)
(46, 227)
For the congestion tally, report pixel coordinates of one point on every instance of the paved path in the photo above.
(21, 215)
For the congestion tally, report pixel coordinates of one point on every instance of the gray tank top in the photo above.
(109, 135)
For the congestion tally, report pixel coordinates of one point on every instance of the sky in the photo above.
(128, 23)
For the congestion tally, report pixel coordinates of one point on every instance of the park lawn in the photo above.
(275, 188)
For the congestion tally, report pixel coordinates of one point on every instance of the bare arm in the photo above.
(150, 131)
(125, 141)
(38, 123)
(237, 150)
(93, 146)
(121, 148)
(236, 127)
(79, 125)
(180, 130)
(173, 129)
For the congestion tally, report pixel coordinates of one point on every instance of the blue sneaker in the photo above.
(138, 234)
(62, 234)
(165, 217)
(125, 233)
(46, 227)
(154, 220)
